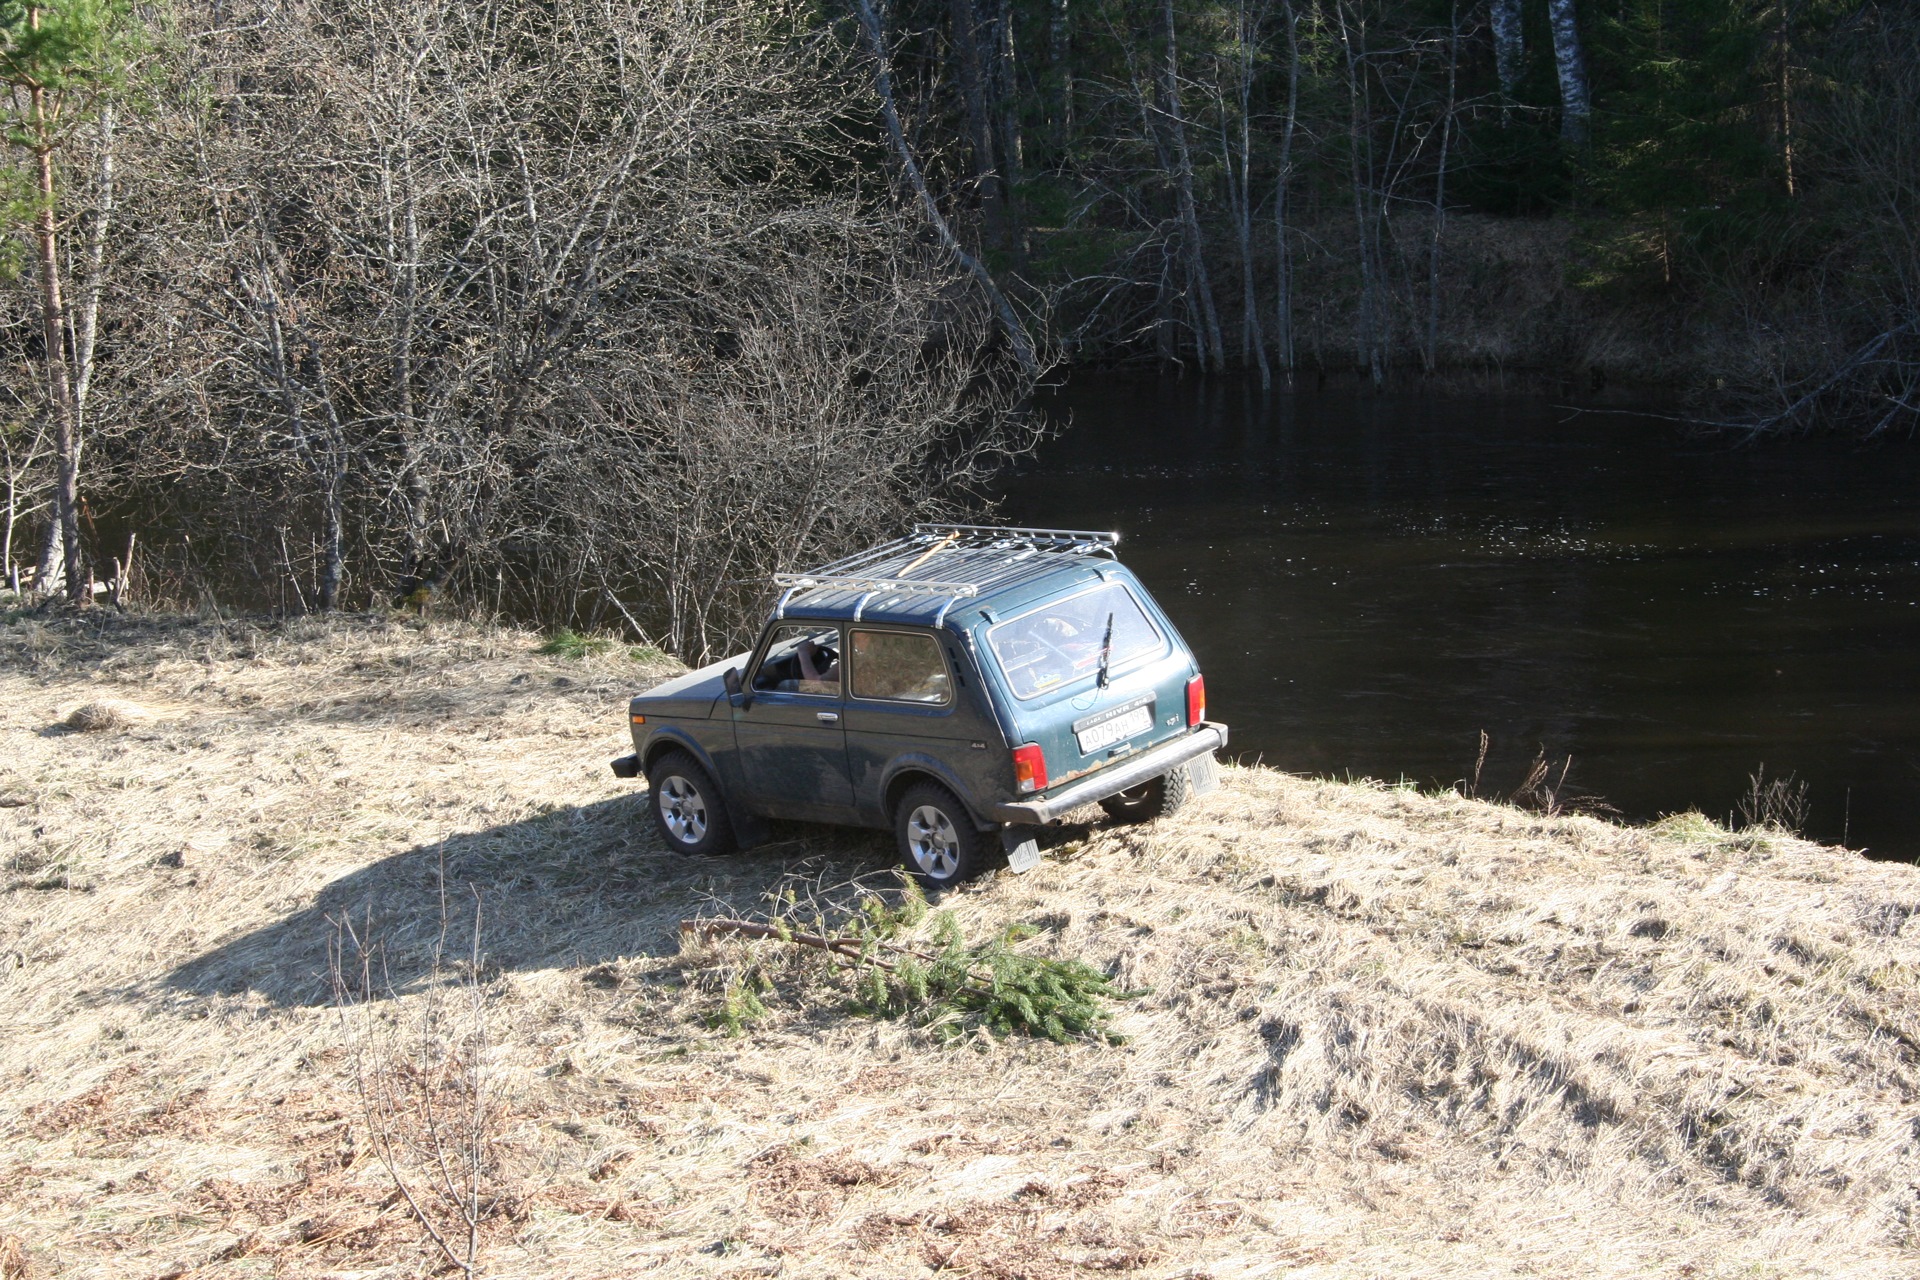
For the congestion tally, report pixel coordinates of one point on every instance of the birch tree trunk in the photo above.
(87, 329)
(1006, 101)
(1509, 49)
(404, 252)
(1365, 217)
(1183, 192)
(83, 334)
(1170, 234)
(1576, 97)
(53, 326)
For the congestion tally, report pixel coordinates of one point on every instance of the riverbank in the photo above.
(1386, 1031)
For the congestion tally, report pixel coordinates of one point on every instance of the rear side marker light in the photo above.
(1196, 701)
(1029, 769)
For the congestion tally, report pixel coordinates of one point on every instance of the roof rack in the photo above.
(1078, 541)
(893, 586)
(987, 556)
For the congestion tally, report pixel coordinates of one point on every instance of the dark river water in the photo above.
(1371, 581)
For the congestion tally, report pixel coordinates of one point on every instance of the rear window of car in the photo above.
(1060, 642)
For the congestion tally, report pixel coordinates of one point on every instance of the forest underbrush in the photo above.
(1371, 1031)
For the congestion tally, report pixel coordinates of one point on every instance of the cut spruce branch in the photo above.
(851, 948)
(950, 984)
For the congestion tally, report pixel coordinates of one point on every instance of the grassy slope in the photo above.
(1388, 1033)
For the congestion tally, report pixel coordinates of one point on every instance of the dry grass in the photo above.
(1389, 1033)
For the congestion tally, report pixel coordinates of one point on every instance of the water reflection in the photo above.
(1371, 581)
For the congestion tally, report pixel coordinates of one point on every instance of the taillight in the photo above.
(1029, 769)
(1196, 701)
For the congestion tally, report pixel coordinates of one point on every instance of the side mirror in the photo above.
(732, 681)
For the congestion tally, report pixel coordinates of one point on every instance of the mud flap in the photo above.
(748, 829)
(1023, 851)
(1204, 773)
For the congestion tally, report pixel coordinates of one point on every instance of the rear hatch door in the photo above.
(1096, 676)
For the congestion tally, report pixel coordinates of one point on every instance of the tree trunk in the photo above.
(1282, 188)
(1010, 325)
(87, 331)
(1253, 343)
(417, 569)
(1360, 175)
(333, 543)
(1432, 352)
(988, 186)
(1784, 38)
(50, 570)
(1509, 48)
(1060, 56)
(1576, 97)
(53, 324)
(1183, 191)
(1163, 343)
(1006, 99)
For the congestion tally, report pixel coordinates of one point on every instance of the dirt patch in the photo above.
(788, 1186)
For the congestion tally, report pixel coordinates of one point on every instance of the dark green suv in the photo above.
(962, 685)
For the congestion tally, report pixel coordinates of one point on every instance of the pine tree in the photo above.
(59, 60)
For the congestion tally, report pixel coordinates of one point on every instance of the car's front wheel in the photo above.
(1159, 797)
(938, 844)
(687, 806)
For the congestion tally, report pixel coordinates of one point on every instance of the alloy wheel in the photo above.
(683, 809)
(933, 843)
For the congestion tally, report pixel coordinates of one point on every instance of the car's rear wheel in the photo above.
(938, 844)
(1159, 797)
(687, 806)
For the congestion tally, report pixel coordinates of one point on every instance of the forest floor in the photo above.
(1386, 1032)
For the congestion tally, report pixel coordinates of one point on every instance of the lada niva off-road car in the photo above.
(962, 685)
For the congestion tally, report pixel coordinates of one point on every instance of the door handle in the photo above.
(827, 717)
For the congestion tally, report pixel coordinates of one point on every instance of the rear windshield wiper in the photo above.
(1106, 651)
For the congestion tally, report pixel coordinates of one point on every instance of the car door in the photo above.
(789, 729)
(912, 704)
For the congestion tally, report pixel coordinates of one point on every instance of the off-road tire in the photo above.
(1161, 797)
(936, 838)
(687, 807)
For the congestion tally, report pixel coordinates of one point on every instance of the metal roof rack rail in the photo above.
(897, 586)
(795, 583)
(1075, 541)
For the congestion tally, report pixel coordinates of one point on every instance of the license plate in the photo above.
(1118, 729)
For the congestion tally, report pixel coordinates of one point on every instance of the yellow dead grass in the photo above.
(1388, 1033)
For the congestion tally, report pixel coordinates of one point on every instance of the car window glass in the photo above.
(898, 666)
(803, 658)
(1061, 642)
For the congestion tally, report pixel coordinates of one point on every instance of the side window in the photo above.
(898, 666)
(803, 658)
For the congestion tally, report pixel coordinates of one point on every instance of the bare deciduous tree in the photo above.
(458, 284)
